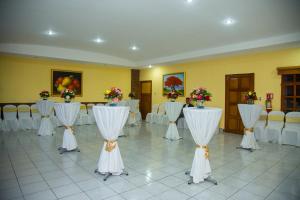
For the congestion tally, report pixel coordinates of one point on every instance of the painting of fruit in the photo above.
(66, 80)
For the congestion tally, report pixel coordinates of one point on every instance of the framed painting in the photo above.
(61, 80)
(175, 81)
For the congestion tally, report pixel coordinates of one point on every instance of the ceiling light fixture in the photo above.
(98, 40)
(134, 48)
(50, 32)
(150, 66)
(228, 21)
(189, 1)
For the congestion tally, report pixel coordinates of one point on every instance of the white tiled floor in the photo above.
(31, 168)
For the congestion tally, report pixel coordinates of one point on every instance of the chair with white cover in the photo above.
(161, 117)
(91, 119)
(134, 110)
(36, 116)
(54, 119)
(100, 104)
(10, 122)
(274, 128)
(25, 120)
(83, 117)
(149, 116)
(259, 127)
(122, 103)
(291, 130)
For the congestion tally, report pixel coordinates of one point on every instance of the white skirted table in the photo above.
(110, 121)
(45, 107)
(67, 114)
(173, 110)
(250, 113)
(202, 124)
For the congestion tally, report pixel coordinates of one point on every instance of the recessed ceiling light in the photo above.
(50, 32)
(134, 48)
(98, 40)
(150, 66)
(228, 21)
(189, 1)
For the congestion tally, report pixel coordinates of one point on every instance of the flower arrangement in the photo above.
(173, 95)
(131, 95)
(44, 94)
(68, 95)
(200, 95)
(114, 94)
(250, 97)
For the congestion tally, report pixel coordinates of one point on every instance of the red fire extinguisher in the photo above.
(268, 102)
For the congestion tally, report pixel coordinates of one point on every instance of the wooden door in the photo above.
(236, 86)
(146, 98)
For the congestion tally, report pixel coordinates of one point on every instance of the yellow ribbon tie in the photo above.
(45, 116)
(248, 130)
(205, 147)
(275, 118)
(23, 110)
(70, 127)
(110, 145)
(9, 110)
(132, 114)
(171, 122)
(293, 119)
(34, 111)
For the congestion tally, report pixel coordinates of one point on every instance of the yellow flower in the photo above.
(249, 93)
(107, 91)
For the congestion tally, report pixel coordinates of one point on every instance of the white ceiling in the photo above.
(164, 30)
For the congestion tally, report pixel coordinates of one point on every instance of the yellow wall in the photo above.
(211, 74)
(22, 78)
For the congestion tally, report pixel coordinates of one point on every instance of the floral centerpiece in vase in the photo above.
(68, 95)
(250, 97)
(131, 95)
(44, 94)
(114, 95)
(173, 95)
(200, 95)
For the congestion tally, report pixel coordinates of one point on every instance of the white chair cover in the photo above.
(100, 104)
(161, 117)
(25, 120)
(249, 114)
(275, 125)
(67, 114)
(54, 119)
(110, 121)
(91, 119)
(173, 110)
(83, 117)
(36, 116)
(10, 122)
(202, 124)
(182, 123)
(45, 107)
(150, 116)
(291, 130)
(134, 110)
(259, 127)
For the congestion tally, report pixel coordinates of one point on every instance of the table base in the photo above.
(208, 179)
(108, 174)
(248, 149)
(63, 150)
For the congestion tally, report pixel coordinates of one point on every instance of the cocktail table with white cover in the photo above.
(110, 121)
(250, 113)
(202, 124)
(173, 110)
(45, 107)
(67, 114)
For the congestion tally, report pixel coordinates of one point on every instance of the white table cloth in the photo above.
(202, 124)
(173, 110)
(45, 107)
(110, 121)
(67, 114)
(250, 114)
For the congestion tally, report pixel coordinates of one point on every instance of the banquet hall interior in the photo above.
(149, 100)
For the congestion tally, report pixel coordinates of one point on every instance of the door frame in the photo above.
(141, 82)
(227, 98)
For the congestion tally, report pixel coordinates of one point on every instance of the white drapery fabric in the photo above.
(259, 127)
(275, 125)
(160, 117)
(67, 114)
(91, 119)
(36, 116)
(83, 117)
(150, 116)
(249, 114)
(45, 107)
(291, 130)
(133, 112)
(10, 122)
(173, 110)
(54, 119)
(25, 120)
(202, 124)
(110, 121)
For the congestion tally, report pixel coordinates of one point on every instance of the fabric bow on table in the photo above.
(205, 147)
(110, 145)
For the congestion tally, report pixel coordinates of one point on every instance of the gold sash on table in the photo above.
(110, 145)
(70, 127)
(205, 147)
(248, 130)
(171, 122)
